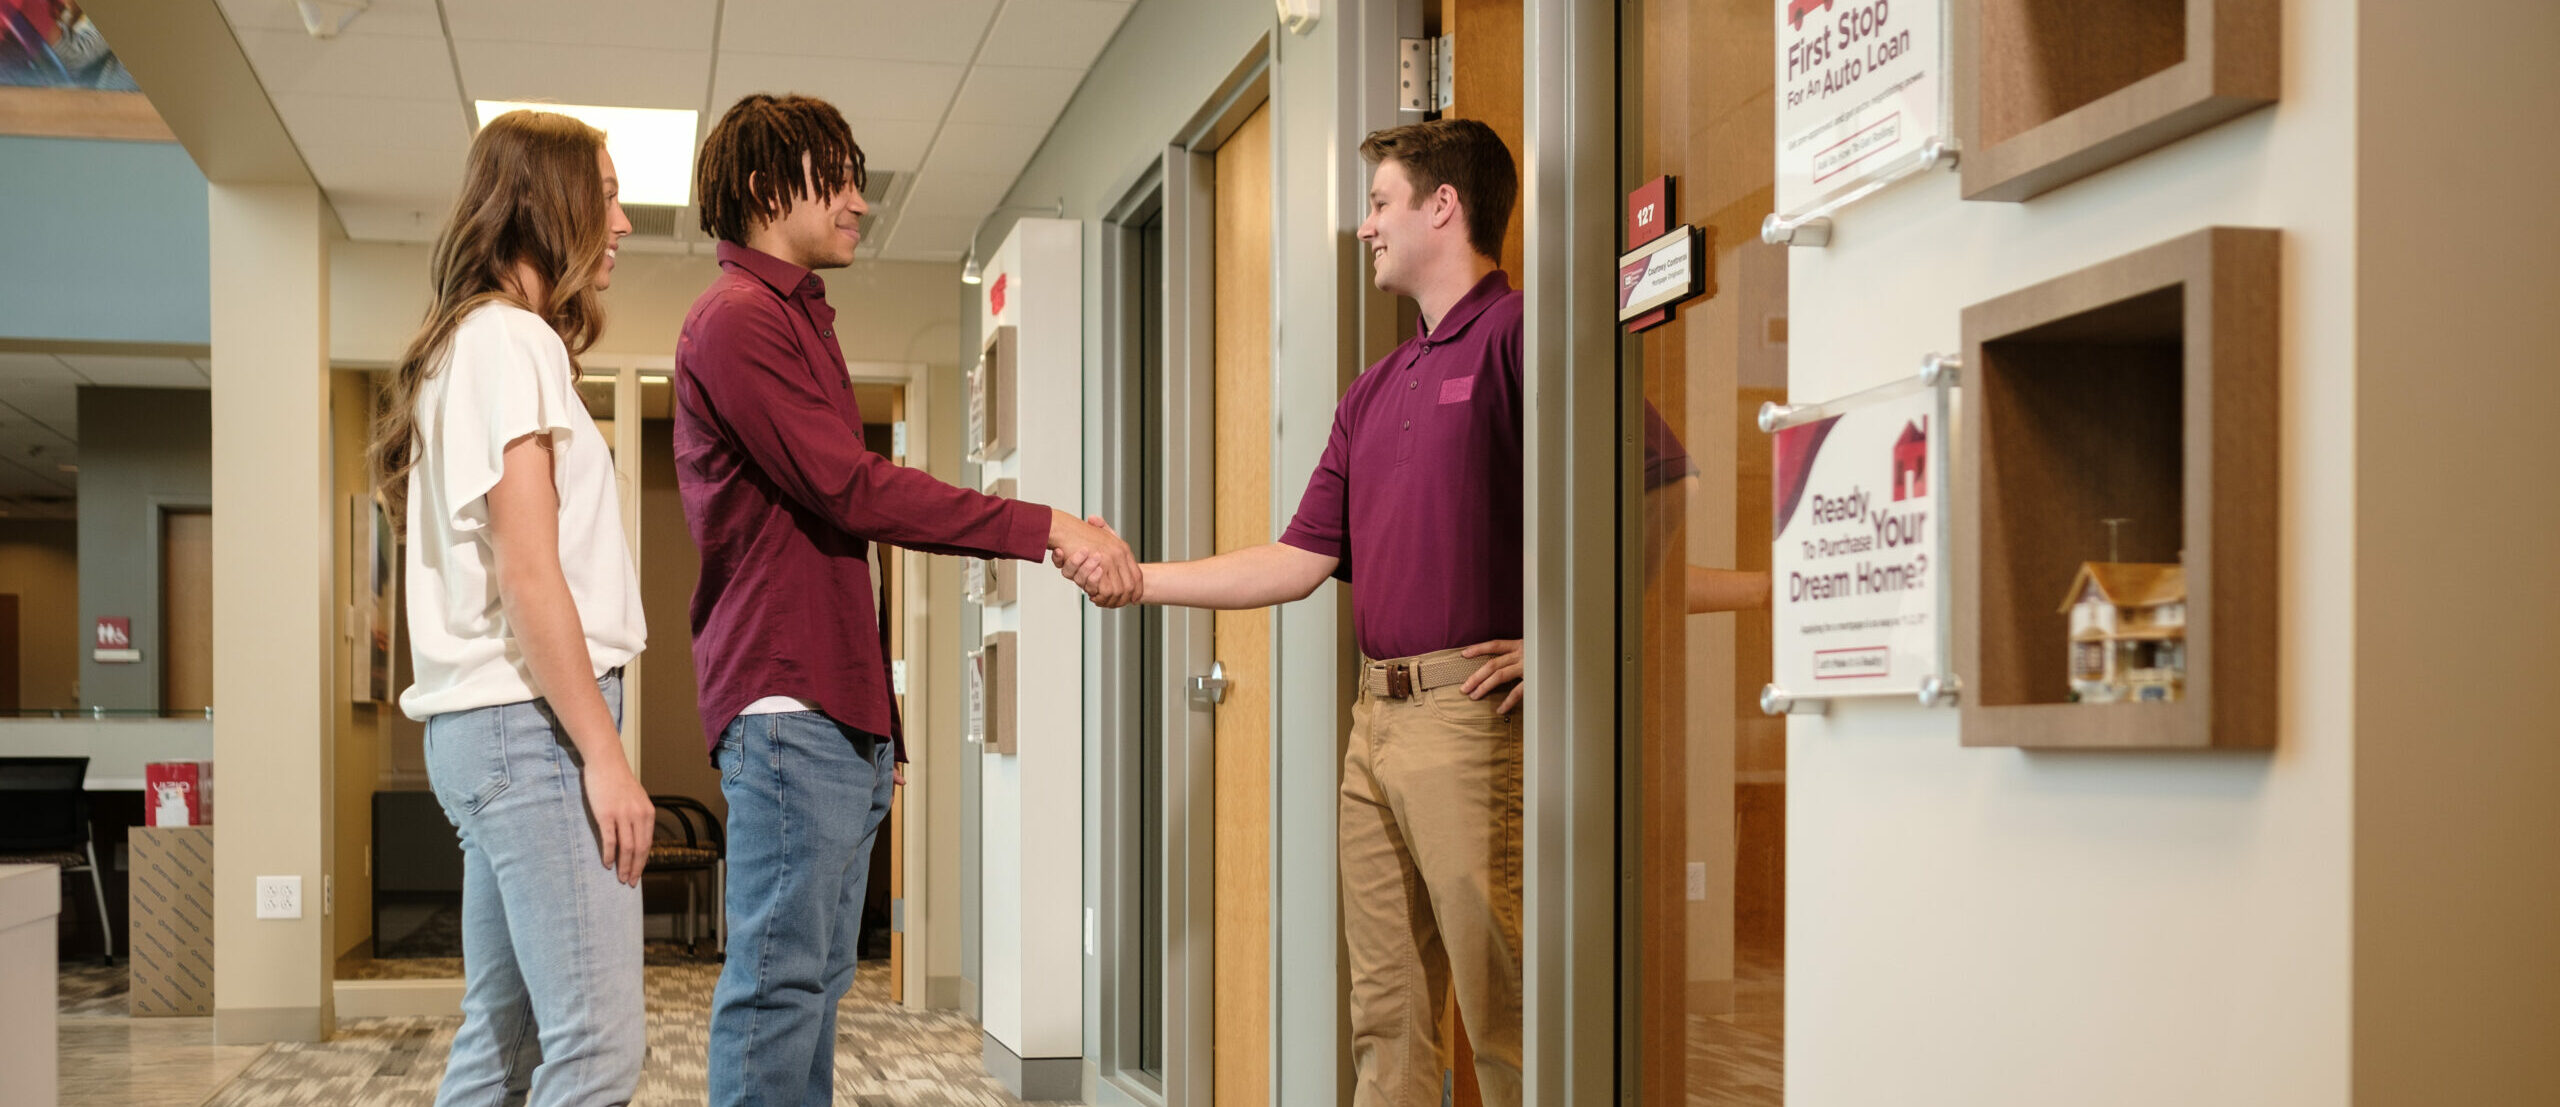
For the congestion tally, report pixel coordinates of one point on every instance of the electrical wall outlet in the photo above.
(279, 897)
(1697, 882)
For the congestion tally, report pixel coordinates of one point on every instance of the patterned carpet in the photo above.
(886, 1056)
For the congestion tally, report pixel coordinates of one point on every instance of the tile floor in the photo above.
(887, 1056)
(1739, 1059)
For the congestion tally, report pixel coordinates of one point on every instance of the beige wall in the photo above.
(40, 561)
(1991, 928)
(888, 311)
(274, 622)
(2457, 797)
(673, 760)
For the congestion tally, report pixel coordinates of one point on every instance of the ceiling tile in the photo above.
(1067, 34)
(989, 149)
(361, 173)
(932, 237)
(404, 68)
(892, 144)
(860, 89)
(658, 24)
(941, 193)
(1012, 94)
(35, 368)
(615, 76)
(39, 449)
(317, 120)
(55, 404)
(383, 221)
(123, 371)
(399, 18)
(945, 31)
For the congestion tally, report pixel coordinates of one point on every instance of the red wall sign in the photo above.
(1648, 215)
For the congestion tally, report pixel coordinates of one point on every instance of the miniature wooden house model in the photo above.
(2128, 632)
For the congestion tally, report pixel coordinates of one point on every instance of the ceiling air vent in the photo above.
(653, 220)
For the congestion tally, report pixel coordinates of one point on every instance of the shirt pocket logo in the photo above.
(1457, 390)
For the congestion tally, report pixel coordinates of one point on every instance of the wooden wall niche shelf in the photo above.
(2142, 389)
(2050, 91)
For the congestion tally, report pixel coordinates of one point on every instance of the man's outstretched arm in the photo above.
(1256, 576)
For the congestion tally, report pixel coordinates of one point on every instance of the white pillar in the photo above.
(272, 618)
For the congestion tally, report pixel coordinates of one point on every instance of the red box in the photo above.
(177, 793)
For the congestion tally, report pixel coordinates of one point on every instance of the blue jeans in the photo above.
(806, 797)
(551, 1002)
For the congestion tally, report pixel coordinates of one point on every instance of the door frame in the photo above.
(1179, 187)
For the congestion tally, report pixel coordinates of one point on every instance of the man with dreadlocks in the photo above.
(784, 501)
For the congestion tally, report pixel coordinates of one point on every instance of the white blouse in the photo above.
(505, 375)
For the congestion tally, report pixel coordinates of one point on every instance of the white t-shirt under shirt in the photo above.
(504, 375)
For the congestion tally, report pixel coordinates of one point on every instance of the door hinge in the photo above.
(1427, 73)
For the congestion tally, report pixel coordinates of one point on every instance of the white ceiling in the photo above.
(40, 419)
(953, 96)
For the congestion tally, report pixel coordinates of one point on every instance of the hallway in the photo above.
(887, 1056)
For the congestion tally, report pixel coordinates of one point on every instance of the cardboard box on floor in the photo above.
(172, 936)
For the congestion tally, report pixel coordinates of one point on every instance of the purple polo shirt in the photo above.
(784, 501)
(1419, 486)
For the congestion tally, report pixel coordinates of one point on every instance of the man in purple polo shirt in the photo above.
(785, 501)
(1419, 491)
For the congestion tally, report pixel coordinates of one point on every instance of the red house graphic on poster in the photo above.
(1911, 461)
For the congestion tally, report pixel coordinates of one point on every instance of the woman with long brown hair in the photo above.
(523, 607)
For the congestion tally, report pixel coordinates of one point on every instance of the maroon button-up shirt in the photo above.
(784, 501)
(1419, 486)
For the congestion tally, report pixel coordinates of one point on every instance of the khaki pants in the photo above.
(1431, 892)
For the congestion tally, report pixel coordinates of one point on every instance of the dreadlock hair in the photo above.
(750, 169)
(531, 194)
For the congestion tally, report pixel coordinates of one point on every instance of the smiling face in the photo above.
(1406, 238)
(616, 223)
(820, 232)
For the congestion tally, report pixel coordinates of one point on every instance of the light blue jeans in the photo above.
(551, 1001)
(806, 797)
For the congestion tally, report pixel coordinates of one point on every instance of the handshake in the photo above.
(1090, 553)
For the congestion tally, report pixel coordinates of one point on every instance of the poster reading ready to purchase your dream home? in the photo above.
(1861, 93)
(1857, 563)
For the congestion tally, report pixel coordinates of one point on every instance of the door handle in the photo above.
(1211, 690)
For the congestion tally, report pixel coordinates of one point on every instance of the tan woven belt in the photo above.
(1407, 677)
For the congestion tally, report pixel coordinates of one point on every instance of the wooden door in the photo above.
(186, 612)
(883, 408)
(9, 652)
(1242, 1034)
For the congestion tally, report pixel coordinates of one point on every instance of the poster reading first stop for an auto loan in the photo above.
(1856, 561)
(1859, 89)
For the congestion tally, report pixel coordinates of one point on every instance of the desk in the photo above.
(117, 748)
(30, 898)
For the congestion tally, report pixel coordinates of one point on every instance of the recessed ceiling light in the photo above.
(652, 147)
